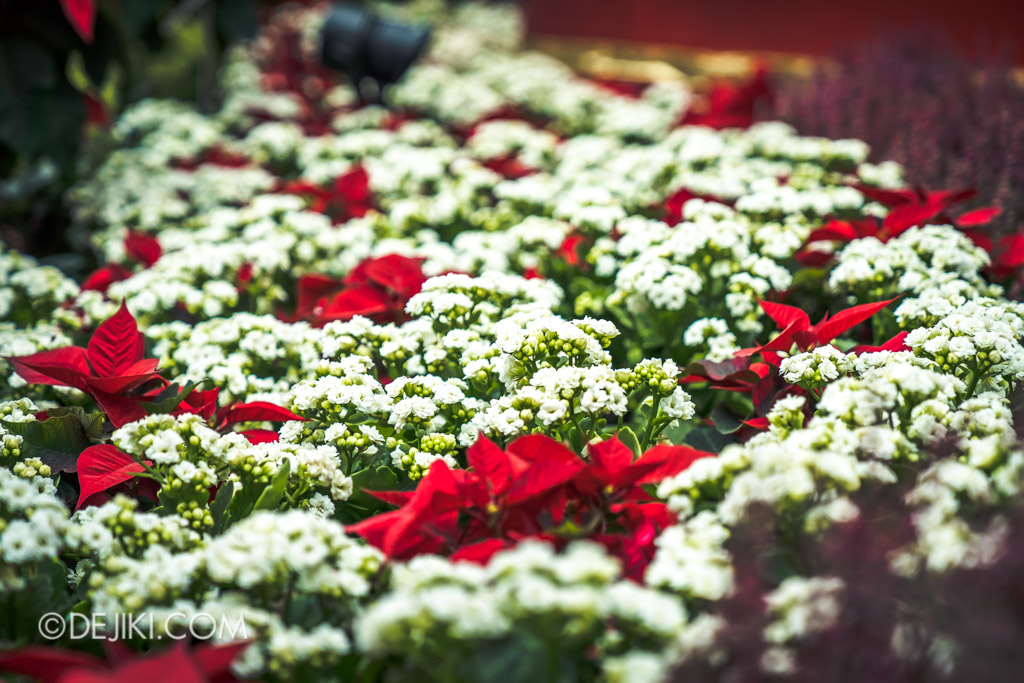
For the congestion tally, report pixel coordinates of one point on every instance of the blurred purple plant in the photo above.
(961, 625)
(916, 101)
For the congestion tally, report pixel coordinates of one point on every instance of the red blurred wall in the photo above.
(816, 27)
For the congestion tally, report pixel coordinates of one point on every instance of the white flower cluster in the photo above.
(944, 499)
(555, 303)
(250, 357)
(979, 342)
(250, 575)
(712, 337)
(919, 260)
(530, 590)
(19, 341)
(711, 265)
(29, 292)
(33, 522)
(816, 368)
(102, 535)
(799, 608)
(188, 458)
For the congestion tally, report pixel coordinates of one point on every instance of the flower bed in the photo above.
(517, 379)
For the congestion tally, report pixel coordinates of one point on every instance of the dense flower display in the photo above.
(520, 378)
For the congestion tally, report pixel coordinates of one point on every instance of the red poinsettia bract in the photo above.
(797, 328)
(908, 208)
(138, 247)
(347, 197)
(764, 384)
(199, 664)
(536, 487)
(102, 466)
(377, 288)
(107, 370)
(1007, 253)
(81, 14)
(204, 403)
(732, 105)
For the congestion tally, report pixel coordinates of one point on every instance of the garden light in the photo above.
(373, 51)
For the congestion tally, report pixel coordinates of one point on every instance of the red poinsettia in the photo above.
(213, 156)
(139, 247)
(347, 197)
(1007, 253)
(96, 112)
(731, 105)
(735, 374)
(764, 384)
(377, 288)
(673, 206)
(204, 403)
(897, 343)
(81, 14)
(198, 664)
(569, 250)
(102, 466)
(908, 208)
(797, 328)
(536, 487)
(510, 167)
(108, 370)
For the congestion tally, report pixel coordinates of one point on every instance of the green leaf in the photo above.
(57, 441)
(707, 438)
(168, 399)
(808, 277)
(628, 437)
(380, 478)
(219, 506)
(272, 495)
(45, 590)
(515, 658)
(724, 420)
(576, 440)
(92, 423)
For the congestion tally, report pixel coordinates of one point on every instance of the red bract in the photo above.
(200, 664)
(509, 166)
(897, 343)
(214, 156)
(673, 206)
(1007, 254)
(108, 370)
(204, 403)
(81, 14)
(797, 329)
(102, 467)
(96, 112)
(347, 197)
(532, 488)
(100, 279)
(731, 105)
(377, 288)
(143, 248)
(908, 208)
(569, 250)
(736, 374)
(139, 247)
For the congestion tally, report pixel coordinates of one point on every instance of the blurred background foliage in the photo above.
(65, 64)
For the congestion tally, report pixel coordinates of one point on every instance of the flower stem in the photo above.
(649, 431)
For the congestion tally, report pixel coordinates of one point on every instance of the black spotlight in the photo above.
(374, 52)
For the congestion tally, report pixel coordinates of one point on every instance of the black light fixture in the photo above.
(374, 52)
